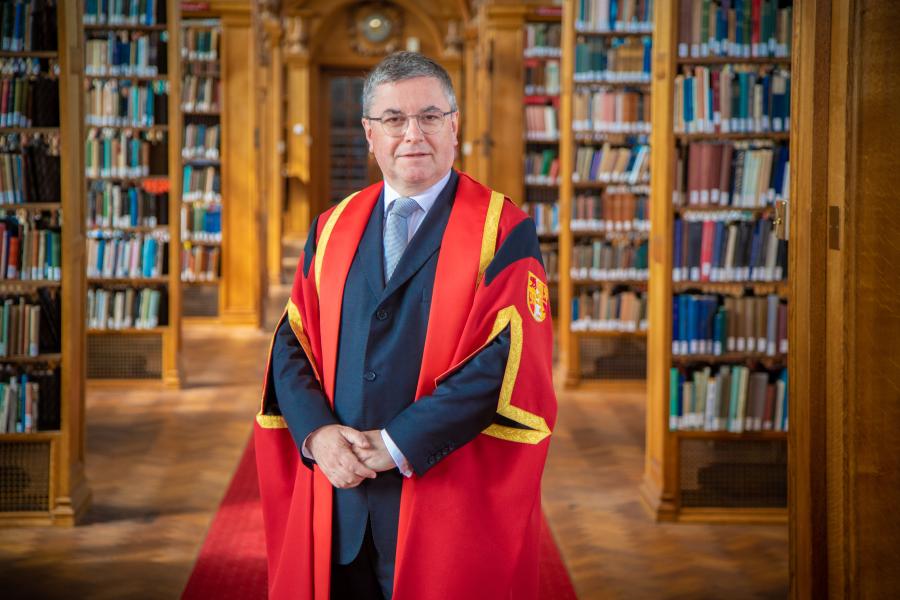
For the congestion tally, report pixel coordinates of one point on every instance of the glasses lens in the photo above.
(394, 125)
(431, 122)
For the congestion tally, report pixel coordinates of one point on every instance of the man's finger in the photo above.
(357, 438)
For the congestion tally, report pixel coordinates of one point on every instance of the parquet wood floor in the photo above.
(159, 462)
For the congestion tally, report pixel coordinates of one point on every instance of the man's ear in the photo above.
(367, 126)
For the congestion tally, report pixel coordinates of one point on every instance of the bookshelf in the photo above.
(133, 171)
(42, 474)
(604, 205)
(716, 432)
(541, 94)
(201, 210)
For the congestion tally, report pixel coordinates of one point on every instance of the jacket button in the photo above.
(369, 376)
(381, 314)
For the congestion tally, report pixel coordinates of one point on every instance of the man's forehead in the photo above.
(416, 95)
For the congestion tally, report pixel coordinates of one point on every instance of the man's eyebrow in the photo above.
(394, 111)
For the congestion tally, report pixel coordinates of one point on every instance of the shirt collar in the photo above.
(425, 200)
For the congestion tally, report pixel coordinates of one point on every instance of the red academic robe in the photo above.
(468, 527)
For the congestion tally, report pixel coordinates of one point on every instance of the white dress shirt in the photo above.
(425, 200)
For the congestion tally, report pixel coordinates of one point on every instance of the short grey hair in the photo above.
(402, 65)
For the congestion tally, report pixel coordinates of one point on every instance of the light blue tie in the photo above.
(396, 232)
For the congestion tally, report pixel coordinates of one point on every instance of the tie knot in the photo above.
(403, 207)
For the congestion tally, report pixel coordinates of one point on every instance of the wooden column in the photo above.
(845, 319)
(568, 344)
(297, 128)
(501, 96)
(272, 143)
(241, 291)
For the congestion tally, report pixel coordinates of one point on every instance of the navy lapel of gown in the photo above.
(427, 238)
(371, 248)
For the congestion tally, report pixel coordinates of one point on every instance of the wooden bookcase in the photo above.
(604, 222)
(692, 473)
(42, 475)
(202, 239)
(148, 351)
(541, 93)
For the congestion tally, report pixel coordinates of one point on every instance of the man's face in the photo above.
(414, 161)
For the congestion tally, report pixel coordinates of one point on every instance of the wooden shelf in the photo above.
(202, 242)
(202, 282)
(696, 137)
(609, 282)
(127, 179)
(128, 229)
(613, 34)
(35, 436)
(135, 281)
(28, 284)
(727, 60)
(202, 113)
(35, 130)
(108, 27)
(729, 435)
(31, 360)
(602, 185)
(130, 331)
(732, 287)
(29, 54)
(729, 358)
(693, 208)
(32, 206)
(138, 128)
(131, 78)
(609, 334)
(614, 84)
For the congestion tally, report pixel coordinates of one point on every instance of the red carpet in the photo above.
(232, 561)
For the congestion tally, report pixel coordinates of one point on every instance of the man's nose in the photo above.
(413, 132)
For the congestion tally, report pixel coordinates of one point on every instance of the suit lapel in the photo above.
(371, 249)
(427, 239)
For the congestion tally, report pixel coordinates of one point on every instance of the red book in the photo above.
(12, 265)
(709, 232)
(754, 27)
(769, 411)
(4, 101)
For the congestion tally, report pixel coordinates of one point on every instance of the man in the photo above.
(408, 400)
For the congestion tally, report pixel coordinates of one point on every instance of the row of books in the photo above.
(29, 168)
(114, 205)
(752, 174)
(29, 249)
(550, 258)
(545, 216)
(612, 164)
(542, 167)
(732, 99)
(714, 324)
(114, 255)
(20, 327)
(201, 141)
(543, 39)
(124, 12)
(712, 248)
(541, 77)
(618, 60)
(30, 324)
(29, 65)
(127, 308)
(608, 110)
(614, 15)
(610, 211)
(602, 260)
(733, 399)
(201, 223)
(27, 26)
(609, 310)
(200, 263)
(19, 405)
(541, 123)
(200, 94)
(201, 183)
(125, 154)
(122, 103)
(126, 54)
(29, 101)
(737, 28)
(200, 43)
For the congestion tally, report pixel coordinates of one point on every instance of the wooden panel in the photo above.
(871, 282)
(569, 344)
(241, 293)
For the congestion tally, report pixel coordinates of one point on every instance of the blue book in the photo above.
(687, 112)
(676, 325)
(676, 250)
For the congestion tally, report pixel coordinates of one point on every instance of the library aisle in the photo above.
(159, 463)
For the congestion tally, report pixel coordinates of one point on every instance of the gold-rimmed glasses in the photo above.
(396, 124)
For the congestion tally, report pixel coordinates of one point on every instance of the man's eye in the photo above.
(430, 119)
(393, 121)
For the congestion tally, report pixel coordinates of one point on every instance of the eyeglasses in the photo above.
(395, 125)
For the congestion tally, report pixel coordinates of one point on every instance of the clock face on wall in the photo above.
(376, 27)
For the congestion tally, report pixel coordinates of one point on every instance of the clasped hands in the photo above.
(347, 456)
